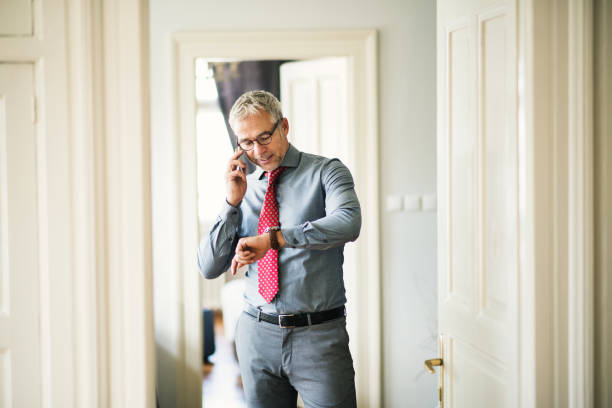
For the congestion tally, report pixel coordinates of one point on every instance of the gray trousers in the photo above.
(276, 364)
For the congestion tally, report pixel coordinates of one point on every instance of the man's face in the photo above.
(268, 156)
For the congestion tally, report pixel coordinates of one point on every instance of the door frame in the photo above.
(603, 202)
(110, 203)
(555, 116)
(360, 46)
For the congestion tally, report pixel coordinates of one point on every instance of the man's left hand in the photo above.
(249, 250)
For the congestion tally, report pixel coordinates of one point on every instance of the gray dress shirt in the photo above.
(318, 212)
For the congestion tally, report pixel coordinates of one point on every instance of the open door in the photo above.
(20, 337)
(314, 96)
(478, 203)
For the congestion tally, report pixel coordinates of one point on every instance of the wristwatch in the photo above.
(273, 238)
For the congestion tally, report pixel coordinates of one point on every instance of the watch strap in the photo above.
(273, 237)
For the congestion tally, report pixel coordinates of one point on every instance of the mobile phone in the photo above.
(241, 159)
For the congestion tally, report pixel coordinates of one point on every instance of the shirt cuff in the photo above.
(294, 236)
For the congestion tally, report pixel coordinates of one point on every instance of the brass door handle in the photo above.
(430, 364)
(438, 362)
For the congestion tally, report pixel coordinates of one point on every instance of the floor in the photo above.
(222, 386)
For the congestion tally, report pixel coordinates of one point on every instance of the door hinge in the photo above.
(34, 110)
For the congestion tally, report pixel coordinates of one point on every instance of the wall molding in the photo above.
(603, 202)
(581, 230)
(126, 169)
(110, 202)
(79, 18)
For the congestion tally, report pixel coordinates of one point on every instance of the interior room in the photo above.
(476, 133)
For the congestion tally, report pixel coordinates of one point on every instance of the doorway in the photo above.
(314, 98)
(359, 49)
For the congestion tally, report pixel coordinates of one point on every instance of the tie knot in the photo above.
(273, 175)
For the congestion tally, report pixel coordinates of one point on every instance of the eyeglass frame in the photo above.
(267, 139)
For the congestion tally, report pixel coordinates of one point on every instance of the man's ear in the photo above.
(285, 126)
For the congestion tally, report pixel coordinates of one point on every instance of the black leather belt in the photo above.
(289, 321)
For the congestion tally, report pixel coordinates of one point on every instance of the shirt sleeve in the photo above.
(342, 221)
(216, 251)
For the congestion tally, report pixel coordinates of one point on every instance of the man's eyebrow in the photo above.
(243, 139)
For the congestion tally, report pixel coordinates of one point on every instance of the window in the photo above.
(213, 145)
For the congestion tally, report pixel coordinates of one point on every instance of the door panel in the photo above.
(303, 115)
(462, 143)
(314, 98)
(478, 379)
(499, 171)
(20, 368)
(315, 101)
(478, 192)
(16, 18)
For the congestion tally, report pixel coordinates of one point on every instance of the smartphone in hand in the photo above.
(240, 158)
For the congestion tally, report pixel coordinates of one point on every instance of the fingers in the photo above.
(234, 163)
(234, 267)
(235, 179)
(237, 264)
(236, 182)
(242, 245)
(245, 260)
(248, 251)
(244, 254)
(237, 153)
(236, 175)
(236, 170)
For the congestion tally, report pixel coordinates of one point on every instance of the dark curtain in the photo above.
(235, 78)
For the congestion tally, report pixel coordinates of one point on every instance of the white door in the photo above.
(20, 338)
(314, 96)
(314, 99)
(478, 202)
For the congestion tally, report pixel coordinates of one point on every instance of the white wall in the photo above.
(407, 137)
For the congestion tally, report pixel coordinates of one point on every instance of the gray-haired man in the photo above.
(288, 221)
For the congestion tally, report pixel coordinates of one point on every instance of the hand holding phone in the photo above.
(235, 178)
(238, 167)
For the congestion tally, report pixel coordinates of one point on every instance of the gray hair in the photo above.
(254, 102)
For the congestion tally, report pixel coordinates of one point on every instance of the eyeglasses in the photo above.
(263, 139)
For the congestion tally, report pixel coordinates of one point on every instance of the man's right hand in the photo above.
(235, 178)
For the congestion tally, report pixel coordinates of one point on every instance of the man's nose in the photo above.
(259, 148)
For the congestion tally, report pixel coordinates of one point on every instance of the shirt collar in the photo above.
(291, 159)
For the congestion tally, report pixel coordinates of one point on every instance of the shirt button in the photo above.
(234, 212)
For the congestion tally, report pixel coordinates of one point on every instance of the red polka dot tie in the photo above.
(267, 266)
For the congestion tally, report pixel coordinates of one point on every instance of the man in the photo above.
(288, 221)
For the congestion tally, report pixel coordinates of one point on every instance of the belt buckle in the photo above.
(280, 321)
